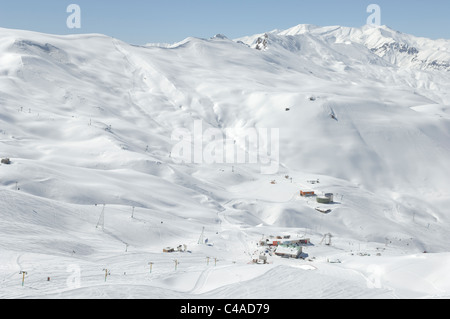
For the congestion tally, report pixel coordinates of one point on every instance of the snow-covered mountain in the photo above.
(398, 49)
(88, 123)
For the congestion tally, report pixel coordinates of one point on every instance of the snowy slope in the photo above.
(87, 121)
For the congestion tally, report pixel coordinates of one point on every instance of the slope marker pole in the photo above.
(101, 220)
(151, 266)
(23, 273)
(106, 273)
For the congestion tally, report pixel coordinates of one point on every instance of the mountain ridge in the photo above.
(393, 46)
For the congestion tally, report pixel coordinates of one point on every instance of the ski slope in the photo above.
(88, 123)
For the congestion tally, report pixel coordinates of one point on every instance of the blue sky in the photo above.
(144, 21)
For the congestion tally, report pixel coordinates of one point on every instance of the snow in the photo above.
(87, 122)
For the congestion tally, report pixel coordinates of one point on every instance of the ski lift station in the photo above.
(289, 251)
(282, 246)
(326, 198)
(286, 241)
(307, 193)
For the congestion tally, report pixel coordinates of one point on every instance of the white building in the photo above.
(289, 251)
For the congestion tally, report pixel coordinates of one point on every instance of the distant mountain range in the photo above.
(397, 48)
